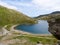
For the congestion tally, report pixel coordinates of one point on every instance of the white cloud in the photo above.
(40, 4)
(7, 5)
(34, 7)
(48, 4)
(22, 4)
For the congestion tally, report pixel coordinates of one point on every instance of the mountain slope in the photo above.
(9, 16)
(52, 15)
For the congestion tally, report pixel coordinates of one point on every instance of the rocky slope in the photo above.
(54, 27)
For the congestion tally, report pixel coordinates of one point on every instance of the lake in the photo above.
(40, 28)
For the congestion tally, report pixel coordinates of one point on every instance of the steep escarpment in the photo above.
(54, 27)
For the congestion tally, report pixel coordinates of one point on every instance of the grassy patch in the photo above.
(44, 40)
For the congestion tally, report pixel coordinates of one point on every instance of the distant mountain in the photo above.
(55, 14)
(9, 16)
(41, 15)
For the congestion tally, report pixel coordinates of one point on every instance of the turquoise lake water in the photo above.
(40, 28)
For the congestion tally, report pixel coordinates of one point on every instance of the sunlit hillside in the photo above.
(9, 16)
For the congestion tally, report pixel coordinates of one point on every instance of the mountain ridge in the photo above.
(55, 14)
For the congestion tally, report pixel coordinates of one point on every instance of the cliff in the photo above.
(54, 27)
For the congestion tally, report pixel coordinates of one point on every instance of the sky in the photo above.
(32, 8)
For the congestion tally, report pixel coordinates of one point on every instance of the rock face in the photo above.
(54, 27)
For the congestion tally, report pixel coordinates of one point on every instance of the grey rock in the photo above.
(54, 27)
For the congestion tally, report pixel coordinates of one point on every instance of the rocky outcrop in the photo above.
(54, 27)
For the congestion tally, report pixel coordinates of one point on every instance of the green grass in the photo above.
(9, 16)
(44, 40)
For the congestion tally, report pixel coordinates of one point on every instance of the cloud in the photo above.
(48, 4)
(21, 4)
(7, 5)
(32, 7)
(18, 2)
